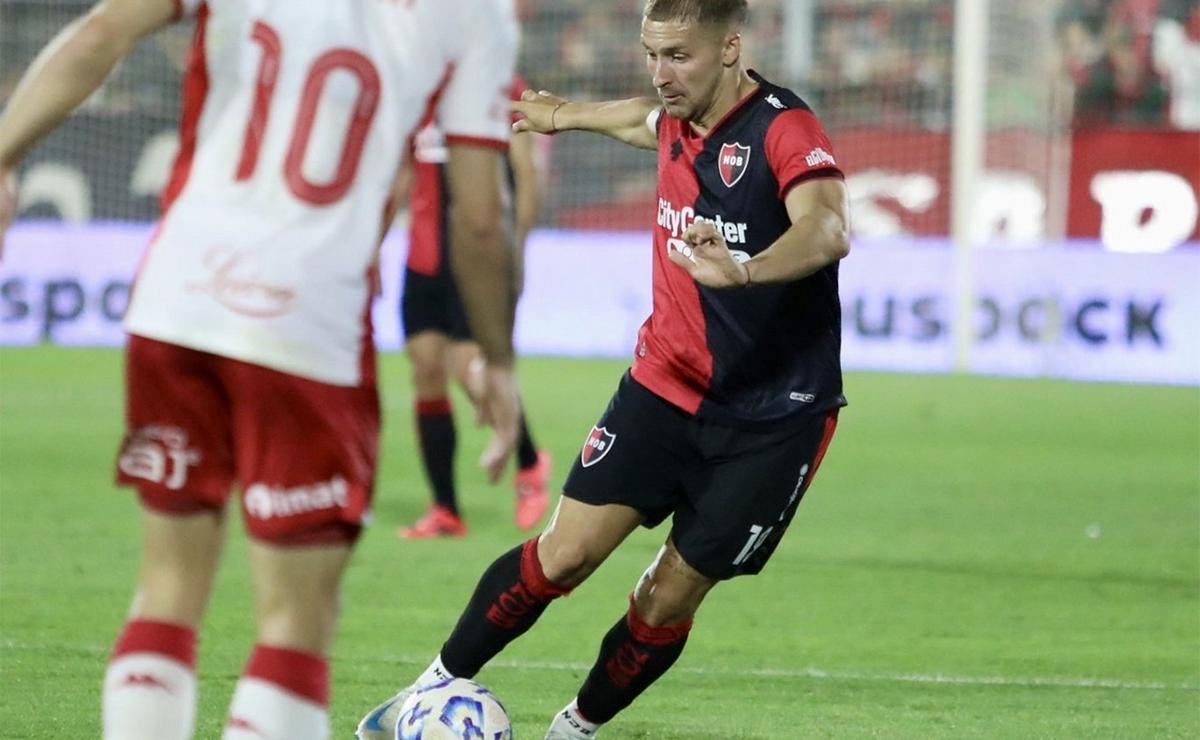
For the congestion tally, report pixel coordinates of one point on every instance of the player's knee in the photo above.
(429, 379)
(659, 607)
(670, 591)
(566, 563)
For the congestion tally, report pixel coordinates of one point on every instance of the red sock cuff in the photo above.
(433, 407)
(170, 640)
(302, 674)
(534, 577)
(664, 635)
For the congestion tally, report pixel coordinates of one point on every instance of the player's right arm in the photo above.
(64, 74)
(632, 121)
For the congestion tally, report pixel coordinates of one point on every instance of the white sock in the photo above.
(148, 696)
(282, 695)
(262, 710)
(434, 674)
(570, 722)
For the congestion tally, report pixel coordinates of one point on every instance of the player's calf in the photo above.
(632, 656)
(510, 597)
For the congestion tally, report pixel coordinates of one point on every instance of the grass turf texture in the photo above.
(974, 552)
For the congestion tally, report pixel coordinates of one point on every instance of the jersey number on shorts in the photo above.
(758, 536)
(345, 60)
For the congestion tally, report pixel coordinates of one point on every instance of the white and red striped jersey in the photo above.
(295, 118)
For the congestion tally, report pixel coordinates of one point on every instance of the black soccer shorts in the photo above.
(731, 492)
(432, 303)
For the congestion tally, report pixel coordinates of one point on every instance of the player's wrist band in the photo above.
(553, 125)
(746, 269)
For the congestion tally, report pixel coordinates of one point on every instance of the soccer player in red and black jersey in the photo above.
(733, 396)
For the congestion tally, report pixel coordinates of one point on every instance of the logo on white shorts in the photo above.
(599, 442)
(266, 502)
(159, 454)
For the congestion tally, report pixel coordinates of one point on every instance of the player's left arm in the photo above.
(819, 236)
(473, 115)
(69, 69)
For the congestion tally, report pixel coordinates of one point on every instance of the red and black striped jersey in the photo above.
(748, 357)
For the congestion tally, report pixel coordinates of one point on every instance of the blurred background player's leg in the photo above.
(150, 683)
(531, 482)
(284, 688)
(436, 435)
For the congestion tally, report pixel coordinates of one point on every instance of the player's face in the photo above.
(686, 62)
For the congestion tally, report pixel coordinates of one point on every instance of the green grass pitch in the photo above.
(978, 558)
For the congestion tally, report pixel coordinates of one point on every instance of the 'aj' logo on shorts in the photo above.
(599, 442)
(731, 163)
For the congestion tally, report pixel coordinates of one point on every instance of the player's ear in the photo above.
(731, 49)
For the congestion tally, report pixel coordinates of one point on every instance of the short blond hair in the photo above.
(725, 14)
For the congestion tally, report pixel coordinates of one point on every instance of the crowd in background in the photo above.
(1133, 62)
(1125, 62)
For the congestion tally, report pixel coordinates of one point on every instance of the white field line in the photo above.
(835, 675)
(787, 673)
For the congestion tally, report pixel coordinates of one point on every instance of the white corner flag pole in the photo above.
(968, 137)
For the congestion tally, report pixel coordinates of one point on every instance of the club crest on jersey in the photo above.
(731, 163)
(599, 442)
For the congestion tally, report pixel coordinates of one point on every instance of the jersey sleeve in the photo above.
(654, 121)
(474, 105)
(798, 150)
(186, 8)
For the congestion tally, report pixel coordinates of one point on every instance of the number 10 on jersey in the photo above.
(345, 60)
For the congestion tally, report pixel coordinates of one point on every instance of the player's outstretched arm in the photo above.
(629, 120)
(64, 74)
(819, 236)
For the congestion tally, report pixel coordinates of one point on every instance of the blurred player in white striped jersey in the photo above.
(250, 362)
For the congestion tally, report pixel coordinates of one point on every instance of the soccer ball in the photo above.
(456, 709)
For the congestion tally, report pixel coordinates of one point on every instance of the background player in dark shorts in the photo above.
(733, 396)
(438, 339)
